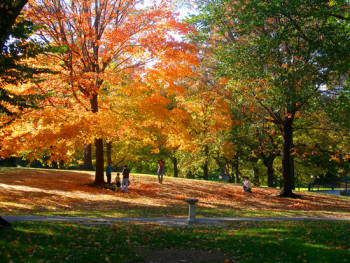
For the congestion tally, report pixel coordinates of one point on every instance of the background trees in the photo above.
(281, 54)
(247, 94)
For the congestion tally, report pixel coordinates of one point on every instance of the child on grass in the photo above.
(247, 187)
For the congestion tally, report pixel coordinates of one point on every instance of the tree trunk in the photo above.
(176, 170)
(54, 165)
(237, 173)
(205, 166)
(268, 162)
(8, 13)
(109, 152)
(287, 161)
(205, 171)
(88, 158)
(99, 174)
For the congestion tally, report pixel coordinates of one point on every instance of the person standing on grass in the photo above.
(117, 182)
(247, 187)
(109, 171)
(160, 171)
(125, 182)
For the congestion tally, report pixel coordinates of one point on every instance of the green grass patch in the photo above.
(314, 241)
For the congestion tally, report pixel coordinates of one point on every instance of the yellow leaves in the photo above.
(229, 150)
(334, 158)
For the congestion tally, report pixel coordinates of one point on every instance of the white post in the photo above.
(192, 210)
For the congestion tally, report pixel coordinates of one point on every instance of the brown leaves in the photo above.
(33, 191)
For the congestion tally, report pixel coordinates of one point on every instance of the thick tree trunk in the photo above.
(88, 158)
(176, 170)
(8, 12)
(99, 174)
(287, 161)
(268, 162)
(109, 152)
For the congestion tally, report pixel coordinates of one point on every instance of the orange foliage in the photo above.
(114, 53)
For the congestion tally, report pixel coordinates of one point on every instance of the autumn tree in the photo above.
(283, 52)
(104, 41)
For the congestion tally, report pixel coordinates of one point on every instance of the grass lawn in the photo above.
(69, 193)
(238, 242)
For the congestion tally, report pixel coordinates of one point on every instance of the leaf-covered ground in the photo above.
(54, 192)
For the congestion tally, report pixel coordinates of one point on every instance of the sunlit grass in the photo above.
(239, 241)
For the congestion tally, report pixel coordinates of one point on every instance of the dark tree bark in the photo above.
(205, 171)
(109, 152)
(287, 160)
(54, 165)
(176, 170)
(9, 11)
(99, 174)
(236, 166)
(88, 158)
(205, 166)
(268, 162)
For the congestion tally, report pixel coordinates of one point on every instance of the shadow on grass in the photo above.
(239, 242)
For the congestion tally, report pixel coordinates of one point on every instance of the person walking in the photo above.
(109, 171)
(125, 181)
(160, 171)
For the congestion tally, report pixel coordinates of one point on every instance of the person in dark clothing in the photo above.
(160, 171)
(125, 181)
(109, 171)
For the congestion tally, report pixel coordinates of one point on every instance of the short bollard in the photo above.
(192, 211)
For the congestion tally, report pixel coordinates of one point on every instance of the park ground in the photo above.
(70, 193)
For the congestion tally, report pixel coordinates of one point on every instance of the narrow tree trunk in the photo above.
(88, 158)
(109, 152)
(205, 166)
(176, 170)
(287, 161)
(54, 165)
(236, 164)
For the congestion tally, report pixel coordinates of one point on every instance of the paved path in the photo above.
(167, 221)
